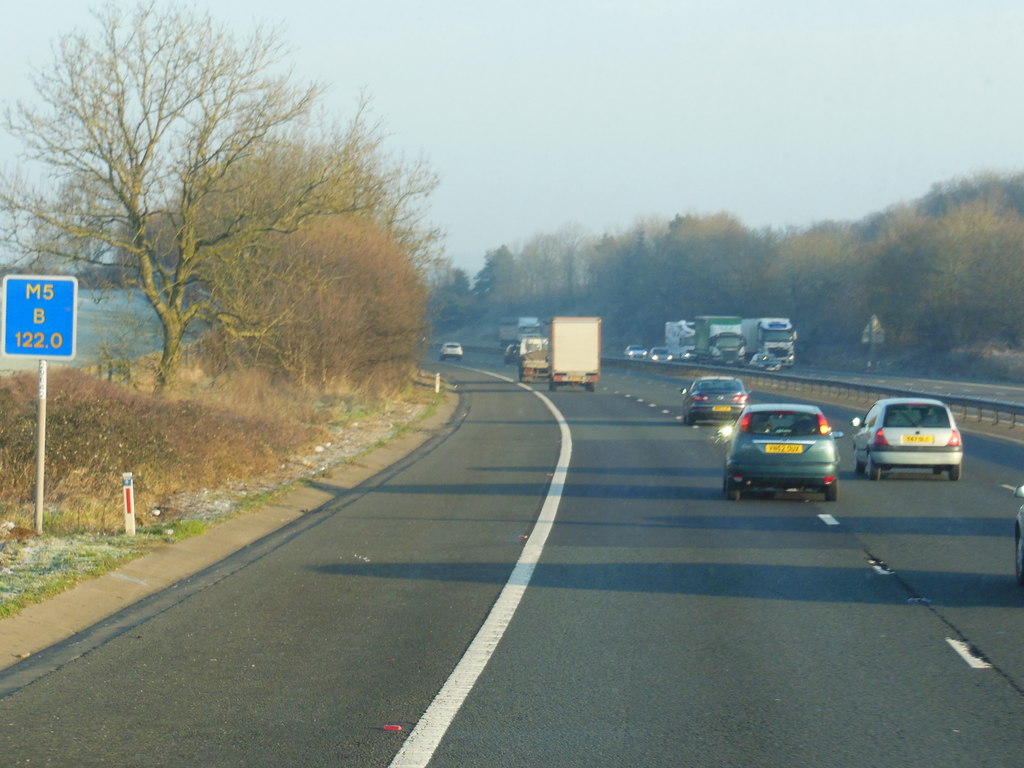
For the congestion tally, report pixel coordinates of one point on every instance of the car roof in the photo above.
(796, 407)
(910, 401)
(717, 378)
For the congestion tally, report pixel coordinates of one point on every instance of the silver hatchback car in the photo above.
(907, 433)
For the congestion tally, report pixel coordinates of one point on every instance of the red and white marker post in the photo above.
(129, 503)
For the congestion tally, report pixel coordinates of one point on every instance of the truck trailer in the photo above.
(508, 330)
(574, 352)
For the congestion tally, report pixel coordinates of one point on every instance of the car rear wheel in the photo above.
(832, 491)
(874, 471)
(859, 467)
(1018, 544)
(954, 472)
(732, 493)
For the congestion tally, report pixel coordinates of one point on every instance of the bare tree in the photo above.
(172, 148)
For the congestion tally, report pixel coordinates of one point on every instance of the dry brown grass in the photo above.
(97, 430)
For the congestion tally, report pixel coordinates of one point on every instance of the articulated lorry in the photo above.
(679, 336)
(771, 336)
(719, 339)
(574, 352)
(512, 330)
(528, 326)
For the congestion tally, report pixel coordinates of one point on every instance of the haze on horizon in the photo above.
(590, 114)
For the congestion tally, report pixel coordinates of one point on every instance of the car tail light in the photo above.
(829, 479)
(879, 438)
(701, 398)
(954, 439)
(741, 398)
(823, 425)
(744, 425)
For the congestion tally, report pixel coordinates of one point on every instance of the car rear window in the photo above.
(719, 386)
(916, 415)
(783, 423)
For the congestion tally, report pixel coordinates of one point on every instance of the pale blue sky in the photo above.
(541, 114)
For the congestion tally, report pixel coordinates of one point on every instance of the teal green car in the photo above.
(782, 448)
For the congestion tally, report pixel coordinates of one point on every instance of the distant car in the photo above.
(451, 350)
(907, 433)
(765, 362)
(635, 351)
(688, 353)
(713, 398)
(659, 354)
(1018, 539)
(782, 447)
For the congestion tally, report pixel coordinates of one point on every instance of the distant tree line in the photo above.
(942, 273)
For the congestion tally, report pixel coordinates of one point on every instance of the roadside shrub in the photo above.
(97, 430)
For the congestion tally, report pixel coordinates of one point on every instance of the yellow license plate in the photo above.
(783, 448)
(720, 408)
(918, 439)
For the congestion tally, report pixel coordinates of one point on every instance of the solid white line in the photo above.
(426, 736)
(828, 519)
(965, 653)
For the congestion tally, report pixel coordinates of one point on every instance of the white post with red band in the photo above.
(129, 503)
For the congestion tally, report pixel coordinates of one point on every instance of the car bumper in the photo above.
(781, 478)
(895, 456)
(707, 413)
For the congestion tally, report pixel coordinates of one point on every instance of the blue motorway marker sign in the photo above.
(40, 317)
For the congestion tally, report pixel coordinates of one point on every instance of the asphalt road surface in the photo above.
(662, 625)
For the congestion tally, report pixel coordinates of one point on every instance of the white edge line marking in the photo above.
(827, 519)
(965, 654)
(423, 741)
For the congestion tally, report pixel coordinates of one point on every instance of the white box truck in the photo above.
(575, 352)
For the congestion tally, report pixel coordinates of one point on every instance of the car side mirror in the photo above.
(682, 391)
(856, 421)
(1019, 493)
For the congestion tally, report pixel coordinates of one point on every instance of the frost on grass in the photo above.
(24, 567)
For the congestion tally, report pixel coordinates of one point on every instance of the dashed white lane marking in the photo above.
(666, 411)
(828, 519)
(967, 654)
(1008, 487)
(423, 741)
